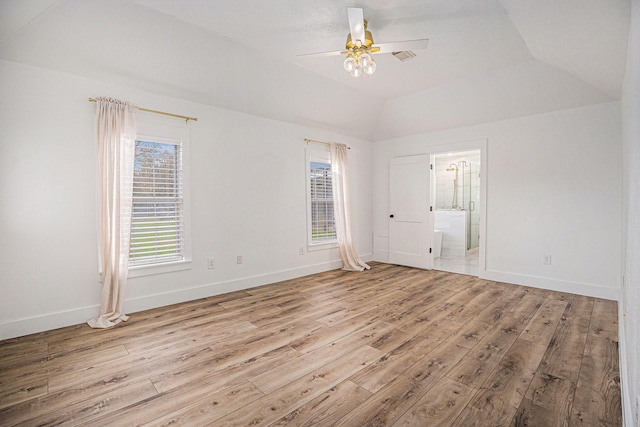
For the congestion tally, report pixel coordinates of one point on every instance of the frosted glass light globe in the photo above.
(364, 60)
(350, 64)
(370, 68)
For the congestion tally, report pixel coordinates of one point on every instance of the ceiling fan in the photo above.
(360, 47)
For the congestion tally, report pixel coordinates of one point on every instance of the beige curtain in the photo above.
(116, 133)
(342, 209)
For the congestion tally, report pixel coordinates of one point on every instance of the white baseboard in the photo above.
(46, 322)
(160, 300)
(627, 400)
(31, 325)
(381, 256)
(586, 289)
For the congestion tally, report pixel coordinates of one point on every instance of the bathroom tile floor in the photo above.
(459, 264)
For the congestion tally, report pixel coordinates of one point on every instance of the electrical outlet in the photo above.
(239, 259)
(546, 260)
(211, 264)
(301, 250)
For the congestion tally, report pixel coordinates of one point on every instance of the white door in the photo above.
(409, 232)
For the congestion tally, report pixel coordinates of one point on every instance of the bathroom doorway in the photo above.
(457, 208)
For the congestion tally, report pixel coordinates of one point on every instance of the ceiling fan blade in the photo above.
(334, 53)
(419, 44)
(356, 23)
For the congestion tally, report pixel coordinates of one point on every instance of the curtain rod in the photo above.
(187, 118)
(320, 142)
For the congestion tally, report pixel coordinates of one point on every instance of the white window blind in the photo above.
(321, 193)
(157, 226)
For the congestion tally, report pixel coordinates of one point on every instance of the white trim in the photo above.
(159, 300)
(312, 247)
(625, 391)
(150, 269)
(45, 322)
(31, 325)
(586, 289)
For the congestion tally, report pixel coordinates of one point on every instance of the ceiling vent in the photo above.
(404, 55)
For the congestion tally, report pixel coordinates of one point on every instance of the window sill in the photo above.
(311, 247)
(148, 270)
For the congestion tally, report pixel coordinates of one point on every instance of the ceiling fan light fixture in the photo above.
(358, 61)
(370, 68)
(350, 64)
(364, 60)
(356, 72)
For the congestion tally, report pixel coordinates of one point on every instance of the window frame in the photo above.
(155, 132)
(318, 155)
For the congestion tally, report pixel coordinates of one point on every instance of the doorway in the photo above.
(456, 200)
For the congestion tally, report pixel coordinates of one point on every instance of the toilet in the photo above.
(437, 243)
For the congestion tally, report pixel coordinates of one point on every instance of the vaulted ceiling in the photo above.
(487, 60)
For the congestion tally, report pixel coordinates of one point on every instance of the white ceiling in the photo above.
(487, 60)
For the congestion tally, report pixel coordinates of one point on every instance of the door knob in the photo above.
(391, 216)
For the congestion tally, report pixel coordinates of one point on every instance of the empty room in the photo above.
(320, 213)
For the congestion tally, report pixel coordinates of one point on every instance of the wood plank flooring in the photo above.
(392, 346)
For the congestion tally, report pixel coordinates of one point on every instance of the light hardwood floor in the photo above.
(390, 346)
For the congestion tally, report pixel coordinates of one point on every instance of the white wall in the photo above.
(629, 307)
(248, 197)
(553, 187)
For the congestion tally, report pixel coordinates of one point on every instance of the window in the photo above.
(322, 221)
(322, 229)
(157, 225)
